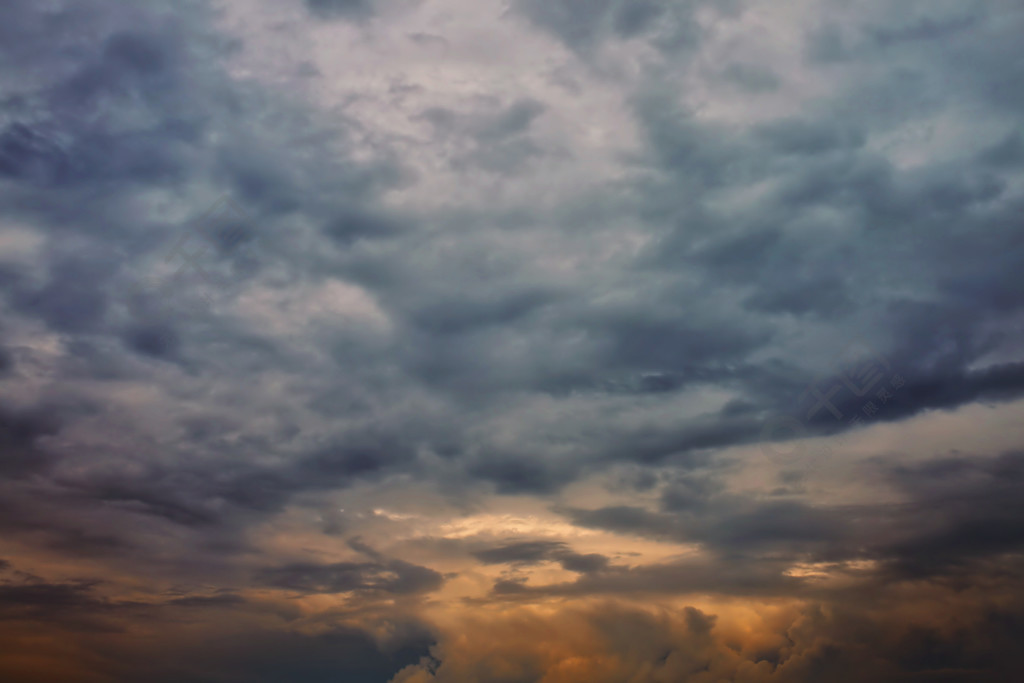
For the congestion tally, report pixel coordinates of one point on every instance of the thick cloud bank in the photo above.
(555, 341)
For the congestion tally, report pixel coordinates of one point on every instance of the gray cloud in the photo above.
(20, 432)
(536, 552)
(395, 577)
(585, 26)
(619, 244)
(958, 514)
(344, 9)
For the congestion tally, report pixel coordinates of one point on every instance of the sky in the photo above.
(511, 341)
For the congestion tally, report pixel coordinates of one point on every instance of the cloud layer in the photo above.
(627, 340)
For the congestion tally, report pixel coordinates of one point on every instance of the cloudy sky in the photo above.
(512, 341)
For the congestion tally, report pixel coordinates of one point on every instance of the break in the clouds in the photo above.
(449, 341)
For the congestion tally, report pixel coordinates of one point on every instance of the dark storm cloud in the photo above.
(72, 298)
(391, 577)
(235, 650)
(157, 340)
(158, 492)
(725, 524)
(61, 135)
(28, 514)
(35, 600)
(535, 552)
(519, 473)
(727, 578)
(205, 495)
(346, 654)
(790, 266)
(73, 605)
(137, 110)
(380, 576)
(712, 289)
(689, 442)
(520, 553)
(445, 306)
(20, 431)
(997, 383)
(121, 115)
(964, 509)
(958, 515)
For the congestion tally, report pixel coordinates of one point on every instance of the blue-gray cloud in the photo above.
(500, 294)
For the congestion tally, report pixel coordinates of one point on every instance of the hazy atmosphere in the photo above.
(511, 341)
